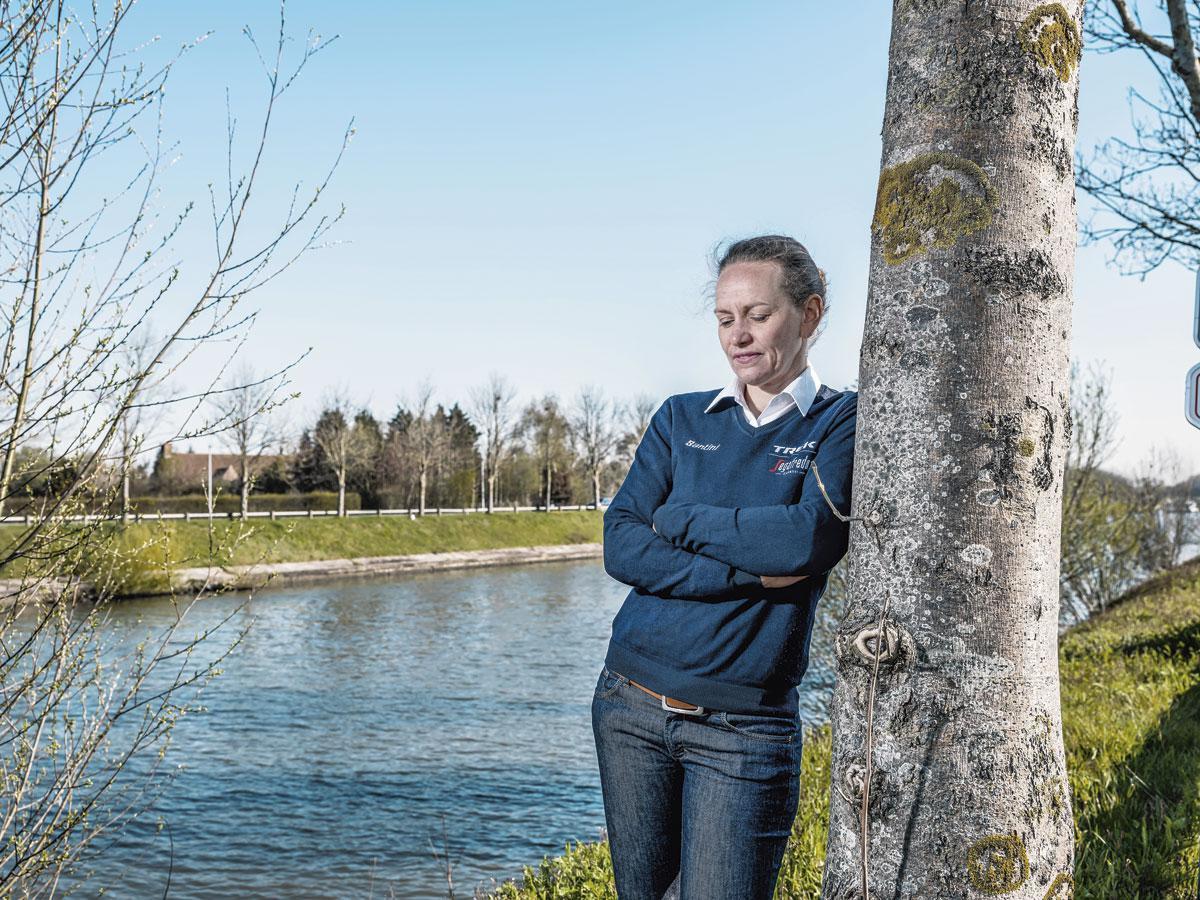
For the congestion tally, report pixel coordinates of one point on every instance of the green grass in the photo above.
(298, 540)
(1131, 719)
(135, 558)
(1130, 681)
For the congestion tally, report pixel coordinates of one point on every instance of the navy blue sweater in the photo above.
(710, 504)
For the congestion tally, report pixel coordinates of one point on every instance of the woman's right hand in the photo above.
(779, 581)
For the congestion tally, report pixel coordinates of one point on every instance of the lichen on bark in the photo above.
(930, 201)
(1051, 35)
(1061, 888)
(997, 864)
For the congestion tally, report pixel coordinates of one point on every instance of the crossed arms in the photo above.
(696, 551)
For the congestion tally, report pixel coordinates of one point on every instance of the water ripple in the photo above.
(359, 717)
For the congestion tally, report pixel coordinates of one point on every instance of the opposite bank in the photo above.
(151, 557)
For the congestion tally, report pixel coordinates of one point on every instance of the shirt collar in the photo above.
(803, 390)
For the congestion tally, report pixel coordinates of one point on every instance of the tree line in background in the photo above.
(490, 452)
(495, 452)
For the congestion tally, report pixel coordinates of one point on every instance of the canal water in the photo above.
(367, 732)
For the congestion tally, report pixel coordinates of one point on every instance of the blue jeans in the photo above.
(698, 807)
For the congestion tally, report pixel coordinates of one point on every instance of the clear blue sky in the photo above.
(534, 188)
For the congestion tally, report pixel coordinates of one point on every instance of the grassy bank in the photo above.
(1131, 722)
(139, 555)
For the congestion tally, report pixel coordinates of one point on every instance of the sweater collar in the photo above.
(802, 389)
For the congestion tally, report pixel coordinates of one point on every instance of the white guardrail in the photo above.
(293, 513)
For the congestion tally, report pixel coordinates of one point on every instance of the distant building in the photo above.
(188, 472)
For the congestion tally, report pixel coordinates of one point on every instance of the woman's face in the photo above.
(759, 326)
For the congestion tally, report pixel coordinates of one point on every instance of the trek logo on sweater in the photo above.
(782, 464)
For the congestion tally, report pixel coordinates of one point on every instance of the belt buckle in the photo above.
(699, 710)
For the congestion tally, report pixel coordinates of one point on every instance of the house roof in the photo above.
(226, 466)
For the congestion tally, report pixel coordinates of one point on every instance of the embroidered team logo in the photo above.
(790, 460)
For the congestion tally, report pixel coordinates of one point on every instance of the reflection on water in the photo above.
(360, 718)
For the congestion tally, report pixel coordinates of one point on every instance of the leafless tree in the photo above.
(249, 423)
(1162, 489)
(1179, 514)
(593, 433)
(1116, 531)
(1148, 187)
(1094, 421)
(87, 262)
(1099, 526)
(426, 441)
(136, 422)
(340, 440)
(545, 430)
(491, 410)
(635, 419)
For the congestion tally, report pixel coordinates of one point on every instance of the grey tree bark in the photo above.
(949, 776)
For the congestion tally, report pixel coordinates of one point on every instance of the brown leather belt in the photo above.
(689, 708)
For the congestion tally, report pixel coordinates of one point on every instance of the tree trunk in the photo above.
(946, 720)
(341, 493)
(245, 487)
(125, 504)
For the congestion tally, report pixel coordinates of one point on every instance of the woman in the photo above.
(727, 543)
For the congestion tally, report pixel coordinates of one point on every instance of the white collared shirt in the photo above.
(800, 392)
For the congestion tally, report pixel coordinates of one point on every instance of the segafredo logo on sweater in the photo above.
(792, 459)
(692, 443)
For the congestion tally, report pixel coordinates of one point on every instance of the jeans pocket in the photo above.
(780, 729)
(608, 682)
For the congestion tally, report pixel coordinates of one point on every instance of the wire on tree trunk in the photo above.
(866, 796)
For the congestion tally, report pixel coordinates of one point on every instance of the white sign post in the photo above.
(1191, 407)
